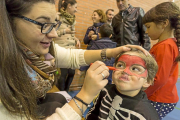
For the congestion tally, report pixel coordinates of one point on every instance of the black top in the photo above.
(111, 105)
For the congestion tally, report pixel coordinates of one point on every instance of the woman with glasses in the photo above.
(66, 38)
(27, 28)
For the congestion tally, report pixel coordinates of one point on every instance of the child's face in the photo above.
(132, 74)
(153, 30)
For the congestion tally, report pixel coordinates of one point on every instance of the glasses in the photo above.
(45, 27)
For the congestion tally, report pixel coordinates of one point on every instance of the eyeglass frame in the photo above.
(41, 24)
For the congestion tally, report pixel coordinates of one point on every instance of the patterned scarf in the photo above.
(68, 17)
(43, 77)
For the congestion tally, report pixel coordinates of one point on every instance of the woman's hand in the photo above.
(78, 42)
(116, 51)
(95, 80)
(90, 33)
(93, 37)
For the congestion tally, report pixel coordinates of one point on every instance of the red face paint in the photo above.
(130, 61)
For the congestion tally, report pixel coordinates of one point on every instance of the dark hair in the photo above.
(151, 63)
(162, 12)
(106, 30)
(109, 10)
(16, 92)
(64, 3)
(101, 14)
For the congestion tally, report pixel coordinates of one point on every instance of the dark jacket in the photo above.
(129, 29)
(94, 28)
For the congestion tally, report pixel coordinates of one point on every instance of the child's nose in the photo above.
(127, 71)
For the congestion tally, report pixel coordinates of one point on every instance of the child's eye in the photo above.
(120, 65)
(136, 69)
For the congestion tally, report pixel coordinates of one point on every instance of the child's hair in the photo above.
(101, 14)
(162, 12)
(64, 3)
(105, 30)
(151, 63)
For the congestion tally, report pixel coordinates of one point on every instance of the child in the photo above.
(161, 22)
(105, 33)
(125, 99)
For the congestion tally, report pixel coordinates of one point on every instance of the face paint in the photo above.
(132, 65)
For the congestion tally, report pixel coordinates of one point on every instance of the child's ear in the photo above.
(99, 35)
(110, 36)
(146, 84)
(165, 23)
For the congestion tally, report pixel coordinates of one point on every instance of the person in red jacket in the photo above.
(163, 22)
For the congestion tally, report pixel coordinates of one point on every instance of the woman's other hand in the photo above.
(116, 51)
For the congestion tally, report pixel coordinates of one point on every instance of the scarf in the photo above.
(68, 17)
(98, 24)
(41, 74)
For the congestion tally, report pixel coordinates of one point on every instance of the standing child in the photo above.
(161, 22)
(125, 99)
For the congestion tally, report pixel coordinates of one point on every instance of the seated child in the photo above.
(125, 99)
(105, 33)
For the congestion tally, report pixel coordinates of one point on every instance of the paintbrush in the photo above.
(110, 67)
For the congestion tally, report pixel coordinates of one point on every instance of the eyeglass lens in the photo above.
(49, 26)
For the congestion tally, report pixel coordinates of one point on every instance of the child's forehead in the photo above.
(132, 57)
(131, 53)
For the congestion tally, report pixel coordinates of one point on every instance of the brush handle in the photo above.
(110, 68)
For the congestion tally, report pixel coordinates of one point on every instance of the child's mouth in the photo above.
(124, 78)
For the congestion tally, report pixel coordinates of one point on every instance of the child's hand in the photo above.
(93, 37)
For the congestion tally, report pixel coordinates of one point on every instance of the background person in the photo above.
(128, 27)
(104, 42)
(98, 18)
(109, 16)
(66, 38)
